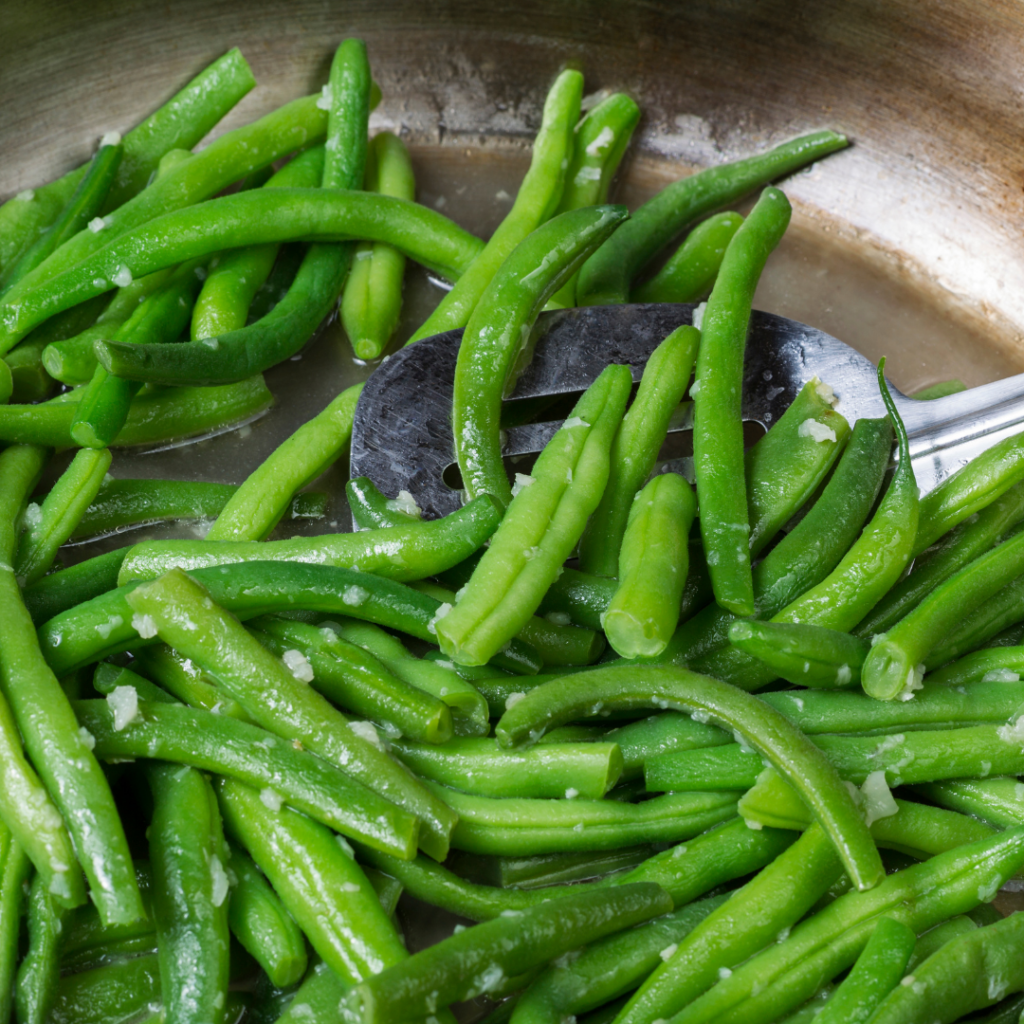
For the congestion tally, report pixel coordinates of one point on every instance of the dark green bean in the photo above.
(62, 590)
(122, 990)
(608, 275)
(36, 982)
(14, 871)
(689, 273)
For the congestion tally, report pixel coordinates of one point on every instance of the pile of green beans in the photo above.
(644, 734)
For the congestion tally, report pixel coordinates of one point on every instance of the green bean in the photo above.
(958, 548)
(636, 446)
(548, 869)
(689, 273)
(29, 381)
(372, 510)
(865, 573)
(353, 678)
(317, 880)
(540, 527)
(878, 971)
(14, 872)
(521, 826)
(402, 552)
(53, 522)
(468, 708)
(119, 991)
(970, 489)
(102, 626)
(226, 746)
(108, 678)
(969, 973)
(754, 917)
(50, 732)
(653, 565)
(190, 894)
(769, 732)
(537, 199)
(1004, 609)
(233, 278)
(787, 974)
(187, 619)
(39, 971)
(372, 301)
(892, 664)
(154, 417)
(610, 967)
(477, 960)
(608, 275)
(811, 550)
(660, 733)
(717, 393)
(246, 218)
(559, 646)
(933, 707)
(934, 939)
(185, 681)
(104, 402)
(999, 801)
(259, 503)
(480, 767)
(923, 756)
(181, 122)
(802, 654)
(124, 504)
(493, 342)
(83, 206)
(261, 924)
(994, 664)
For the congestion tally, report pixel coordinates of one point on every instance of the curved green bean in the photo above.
(770, 733)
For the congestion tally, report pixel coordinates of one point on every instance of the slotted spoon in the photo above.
(402, 437)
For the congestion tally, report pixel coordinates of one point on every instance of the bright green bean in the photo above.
(402, 552)
(636, 446)
(104, 402)
(717, 394)
(37, 705)
(689, 273)
(772, 735)
(477, 960)
(187, 619)
(53, 522)
(235, 749)
(608, 968)
(351, 677)
(787, 974)
(892, 664)
(653, 564)
(999, 801)
(372, 301)
(540, 527)
(190, 894)
(970, 489)
(802, 654)
(964, 543)
(318, 881)
(261, 924)
(154, 417)
(259, 503)
(492, 345)
(753, 918)
(181, 122)
(479, 766)
(537, 199)
(608, 275)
